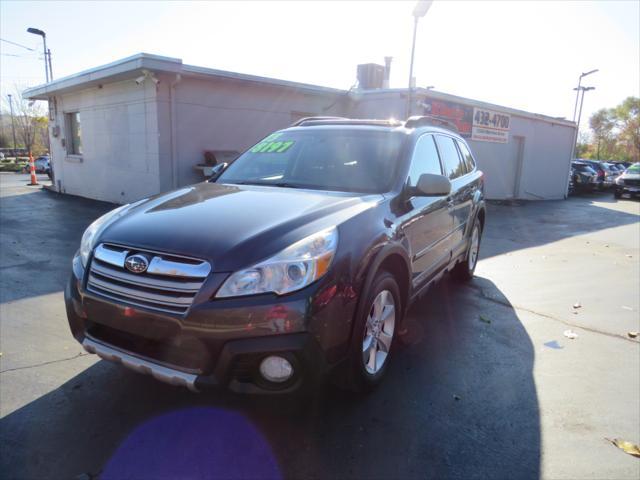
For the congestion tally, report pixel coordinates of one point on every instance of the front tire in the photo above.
(465, 269)
(374, 333)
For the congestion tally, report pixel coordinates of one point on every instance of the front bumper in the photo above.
(627, 190)
(217, 343)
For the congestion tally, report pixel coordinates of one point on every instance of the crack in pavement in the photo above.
(506, 303)
(81, 354)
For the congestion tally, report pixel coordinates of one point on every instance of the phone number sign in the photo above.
(490, 126)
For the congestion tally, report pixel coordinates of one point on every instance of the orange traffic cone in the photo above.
(32, 169)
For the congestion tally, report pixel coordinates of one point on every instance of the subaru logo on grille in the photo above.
(136, 263)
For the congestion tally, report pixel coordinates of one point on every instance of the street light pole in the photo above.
(580, 89)
(575, 107)
(47, 58)
(13, 125)
(420, 10)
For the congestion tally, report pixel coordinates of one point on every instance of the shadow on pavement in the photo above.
(459, 401)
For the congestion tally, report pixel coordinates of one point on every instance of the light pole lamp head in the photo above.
(589, 73)
(36, 31)
(421, 8)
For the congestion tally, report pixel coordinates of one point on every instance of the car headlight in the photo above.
(293, 268)
(620, 181)
(91, 233)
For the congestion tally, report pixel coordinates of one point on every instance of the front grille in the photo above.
(169, 285)
(631, 182)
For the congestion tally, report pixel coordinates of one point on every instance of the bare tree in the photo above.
(30, 117)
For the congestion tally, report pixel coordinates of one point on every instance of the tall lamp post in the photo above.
(580, 89)
(13, 125)
(582, 75)
(419, 11)
(47, 53)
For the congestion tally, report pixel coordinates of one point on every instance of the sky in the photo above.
(525, 55)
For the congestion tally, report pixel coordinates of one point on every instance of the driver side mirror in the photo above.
(431, 185)
(217, 171)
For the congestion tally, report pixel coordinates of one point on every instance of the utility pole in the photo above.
(13, 125)
(50, 69)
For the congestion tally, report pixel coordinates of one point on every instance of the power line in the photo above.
(17, 44)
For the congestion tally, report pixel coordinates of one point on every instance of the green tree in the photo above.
(616, 133)
(627, 118)
(602, 123)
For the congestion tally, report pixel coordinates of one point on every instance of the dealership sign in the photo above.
(490, 126)
(460, 115)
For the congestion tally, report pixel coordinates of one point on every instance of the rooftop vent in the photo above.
(370, 76)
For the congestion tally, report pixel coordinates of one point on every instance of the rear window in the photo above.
(451, 162)
(466, 156)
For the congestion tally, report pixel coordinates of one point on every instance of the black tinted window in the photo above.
(466, 156)
(453, 166)
(425, 159)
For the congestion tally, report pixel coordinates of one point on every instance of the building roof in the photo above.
(124, 68)
(447, 97)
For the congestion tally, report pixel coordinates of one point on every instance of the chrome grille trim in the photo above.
(112, 257)
(171, 287)
(157, 283)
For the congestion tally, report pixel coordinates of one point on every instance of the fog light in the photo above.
(276, 369)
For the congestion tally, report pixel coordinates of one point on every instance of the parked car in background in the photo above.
(627, 185)
(42, 164)
(604, 174)
(584, 177)
(299, 259)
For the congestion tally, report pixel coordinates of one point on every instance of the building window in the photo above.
(74, 137)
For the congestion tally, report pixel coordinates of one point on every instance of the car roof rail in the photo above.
(316, 121)
(298, 123)
(430, 120)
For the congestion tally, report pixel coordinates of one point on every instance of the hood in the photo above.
(231, 226)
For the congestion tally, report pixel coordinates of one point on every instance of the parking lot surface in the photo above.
(484, 383)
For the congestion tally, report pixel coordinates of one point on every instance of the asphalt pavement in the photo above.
(485, 383)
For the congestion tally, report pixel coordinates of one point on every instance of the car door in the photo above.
(427, 222)
(462, 190)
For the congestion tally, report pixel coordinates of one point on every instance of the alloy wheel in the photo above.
(378, 333)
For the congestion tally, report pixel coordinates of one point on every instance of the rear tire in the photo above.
(374, 333)
(465, 269)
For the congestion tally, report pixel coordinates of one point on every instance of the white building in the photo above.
(139, 126)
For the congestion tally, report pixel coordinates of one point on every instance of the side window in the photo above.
(74, 133)
(453, 165)
(425, 160)
(467, 157)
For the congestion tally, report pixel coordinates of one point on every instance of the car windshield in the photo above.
(347, 160)
(635, 169)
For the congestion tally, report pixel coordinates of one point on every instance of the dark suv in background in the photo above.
(300, 259)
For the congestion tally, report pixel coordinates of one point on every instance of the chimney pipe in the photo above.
(387, 71)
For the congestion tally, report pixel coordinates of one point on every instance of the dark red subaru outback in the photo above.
(297, 261)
